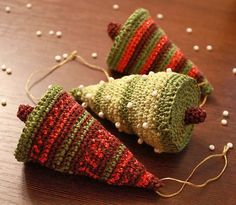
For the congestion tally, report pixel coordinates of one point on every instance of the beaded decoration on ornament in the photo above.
(161, 108)
(141, 46)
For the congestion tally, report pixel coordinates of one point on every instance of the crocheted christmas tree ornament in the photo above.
(160, 108)
(61, 135)
(141, 46)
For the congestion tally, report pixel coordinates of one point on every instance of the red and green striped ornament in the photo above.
(141, 46)
(61, 135)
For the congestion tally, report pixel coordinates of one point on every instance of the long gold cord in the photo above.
(186, 182)
(72, 56)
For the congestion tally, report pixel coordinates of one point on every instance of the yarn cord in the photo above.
(186, 182)
(72, 56)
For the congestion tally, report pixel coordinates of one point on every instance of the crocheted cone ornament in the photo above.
(160, 108)
(141, 46)
(61, 135)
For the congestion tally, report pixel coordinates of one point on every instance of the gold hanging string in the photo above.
(72, 56)
(186, 182)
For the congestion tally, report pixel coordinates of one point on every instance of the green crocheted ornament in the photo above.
(140, 46)
(160, 108)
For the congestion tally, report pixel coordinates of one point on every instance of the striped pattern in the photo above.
(164, 112)
(61, 135)
(141, 46)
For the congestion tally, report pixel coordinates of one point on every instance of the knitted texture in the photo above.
(141, 46)
(61, 135)
(152, 106)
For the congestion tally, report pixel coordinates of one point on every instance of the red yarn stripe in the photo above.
(195, 73)
(133, 43)
(175, 60)
(152, 56)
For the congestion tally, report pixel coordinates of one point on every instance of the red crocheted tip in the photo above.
(195, 115)
(113, 30)
(24, 111)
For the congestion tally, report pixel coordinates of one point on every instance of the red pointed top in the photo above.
(113, 30)
(24, 111)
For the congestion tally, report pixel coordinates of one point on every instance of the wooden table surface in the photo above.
(83, 24)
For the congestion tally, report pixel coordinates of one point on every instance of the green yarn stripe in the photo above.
(34, 121)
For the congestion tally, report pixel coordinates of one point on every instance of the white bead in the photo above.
(211, 147)
(8, 9)
(3, 101)
(209, 48)
(65, 55)
(144, 75)
(94, 55)
(189, 30)
(154, 93)
(4, 67)
(157, 150)
(111, 78)
(39, 33)
(51, 32)
(58, 58)
(234, 71)
(28, 6)
(145, 125)
(140, 141)
(59, 34)
(115, 6)
(168, 70)
(84, 105)
(117, 124)
(101, 82)
(88, 95)
(129, 105)
(81, 86)
(160, 16)
(9, 71)
(78, 93)
(230, 145)
(196, 48)
(50, 86)
(224, 122)
(225, 113)
(151, 73)
(101, 114)
(107, 97)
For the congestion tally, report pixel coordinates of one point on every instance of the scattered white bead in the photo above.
(28, 6)
(58, 58)
(111, 78)
(168, 70)
(3, 101)
(209, 47)
(3, 67)
(9, 71)
(189, 30)
(84, 105)
(129, 105)
(117, 124)
(230, 145)
(157, 150)
(154, 93)
(211, 147)
(8, 9)
(140, 141)
(94, 55)
(145, 125)
(88, 95)
(39, 33)
(115, 7)
(160, 16)
(101, 82)
(224, 122)
(101, 114)
(59, 34)
(151, 73)
(50, 86)
(196, 48)
(234, 71)
(65, 55)
(51, 32)
(225, 113)
(81, 86)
